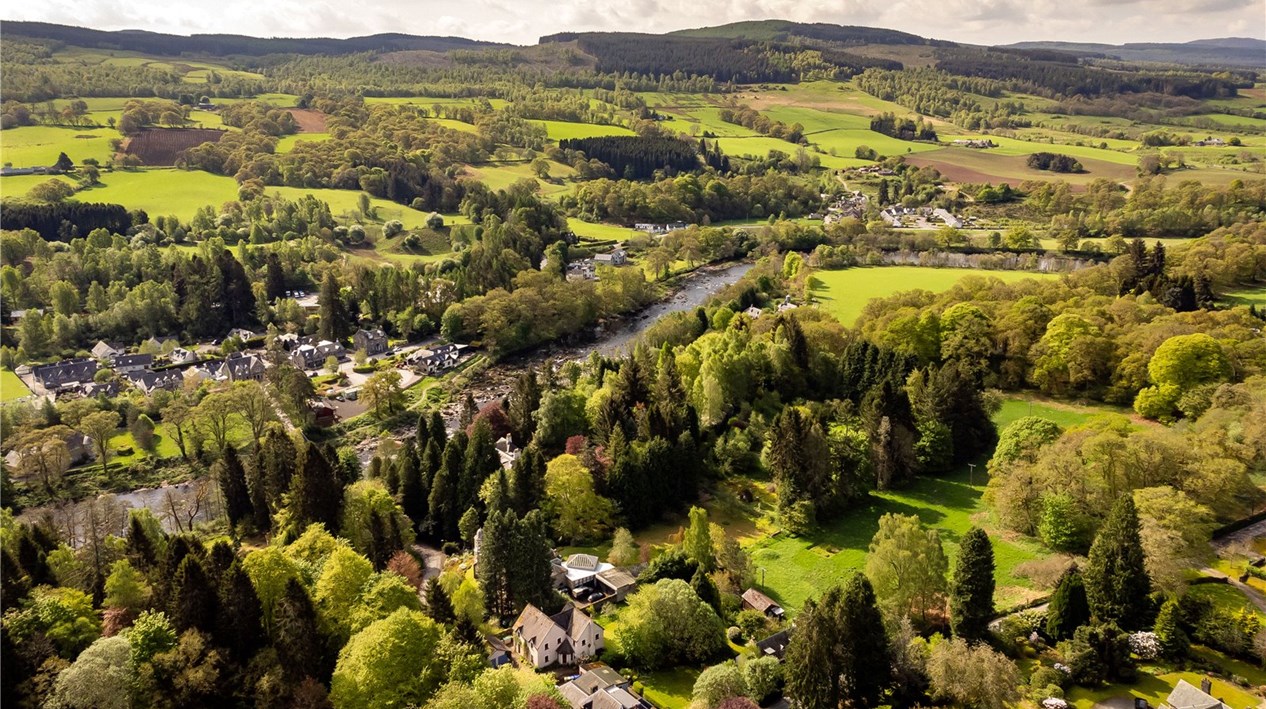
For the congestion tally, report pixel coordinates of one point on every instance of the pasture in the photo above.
(286, 143)
(34, 146)
(563, 130)
(499, 176)
(844, 293)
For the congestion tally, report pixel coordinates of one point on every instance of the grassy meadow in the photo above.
(11, 387)
(844, 293)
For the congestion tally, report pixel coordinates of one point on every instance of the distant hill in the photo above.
(231, 44)
(1228, 51)
(782, 30)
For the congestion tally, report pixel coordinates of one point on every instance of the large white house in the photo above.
(565, 638)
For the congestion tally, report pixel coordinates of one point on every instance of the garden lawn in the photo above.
(1247, 296)
(844, 293)
(1066, 415)
(11, 386)
(1155, 688)
(1224, 597)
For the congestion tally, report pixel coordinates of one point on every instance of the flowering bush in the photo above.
(1145, 645)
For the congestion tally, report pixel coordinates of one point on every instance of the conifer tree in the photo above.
(439, 430)
(527, 480)
(299, 644)
(228, 471)
(1117, 584)
(495, 559)
(531, 573)
(698, 540)
(524, 401)
(316, 494)
(1169, 633)
(412, 490)
(972, 586)
(422, 433)
(1068, 609)
(239, 622)
(481, 460)
(443, 501)
(706, 589)
(438, 604)
(839, 653)
(193, 599)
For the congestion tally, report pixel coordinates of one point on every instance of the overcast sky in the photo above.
(523, 21)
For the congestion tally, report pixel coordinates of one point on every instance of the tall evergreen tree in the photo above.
(299, 644)
(1117, 585)
(495, 559)
(193, 598)
(439, 430)
(422, 433)
(444, 504)
(276, 461)
(239, 622)
(231, 475)
(527, 480)
(844, 658)
(1169, 633)
(531, 573)
(525, 399)
(481, 460)
(413, 491)
(1068, 609)
(438, 604)
(706, 589)
(972, 586)
(316, 494)
(335, 323)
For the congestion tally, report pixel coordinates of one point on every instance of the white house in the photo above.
(564, 638)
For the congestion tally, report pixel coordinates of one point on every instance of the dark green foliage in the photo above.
(239, 621)
(48, 218)
(413, 491)
(972, 586)
(1068, 609)
(1097, 654)
(480, 461)
(1169, 633)
(14, 584)
(800, 463)
(903, 128)
(839, 653)
(272, 475)
(193, 598)
(706, 589)
(299, 644)
(316, 494)
(444, 502)
(336, 321)
(672, 564)
(1053, 162)
(228, 471)
(1117, 585)
(524, 401)
(438, 604)
(638, 158)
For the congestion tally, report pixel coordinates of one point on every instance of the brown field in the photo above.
(158, 147)
(966, 165)
(310, 120)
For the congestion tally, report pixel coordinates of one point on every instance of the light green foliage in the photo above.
(667, 624)
(1175, 531)
(579, 512)
(392, 662)
(1179, 365)
(1022, 438)
(382, 595)
(338, 589)
(150, 634)
(624, 550)
(762, 675)
(100, 678)
(718, 683)
(698, 540)
(270, 570)
(468, 601)
(360, 501)
(125, 587)
(973, 675)
(907, 566)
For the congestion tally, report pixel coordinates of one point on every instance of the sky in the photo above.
(523, 21)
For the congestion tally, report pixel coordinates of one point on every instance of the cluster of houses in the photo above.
(754, 312)
(852, 204)
(874, 170)
(9, 170)
(659, 229)
(896, 215)
(587, 269)
(1211, 142)
(974, 143)
(150, 373)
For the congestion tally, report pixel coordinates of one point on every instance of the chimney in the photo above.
(1206, 686)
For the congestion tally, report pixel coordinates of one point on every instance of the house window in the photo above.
(547, 659)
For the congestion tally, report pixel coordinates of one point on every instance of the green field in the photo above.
(844, 293)
(1065, 415)
(601, 232)
(502, 175)
(562, 130)
(1247, 296)
(11, 387)
(286, 143)
(33, 146)
(157, 191)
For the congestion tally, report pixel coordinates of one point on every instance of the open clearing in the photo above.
(11, 387)
(563, 130)
(34, 146)
(844, 293)
(310, 120)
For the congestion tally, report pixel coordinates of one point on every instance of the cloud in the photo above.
(523, 21)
